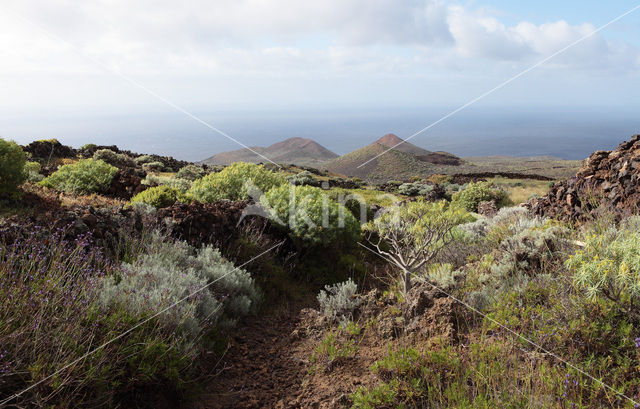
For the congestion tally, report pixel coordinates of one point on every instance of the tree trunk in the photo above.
(407, 281)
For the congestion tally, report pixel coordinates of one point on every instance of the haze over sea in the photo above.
(567, 134)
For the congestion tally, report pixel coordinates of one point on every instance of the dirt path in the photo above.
(259, 369)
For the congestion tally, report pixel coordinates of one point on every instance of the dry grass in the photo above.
(521, 190)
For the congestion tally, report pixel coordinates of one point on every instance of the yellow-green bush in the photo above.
(85, 176)
(32, 171)
(159, 196)
(609, 266)
(235, 182)
(12, 161)
(312, 217)
(475, 193)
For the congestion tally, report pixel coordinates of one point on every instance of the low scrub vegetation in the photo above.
(12, 162)
(119, 160)
(451, 309)
(61, 299)
(84, 176)
(338, 301)
(304, 178)
(310, 216)
(478, 192)
(159, 196)
(236, 182)
(171, 181)
(191, 172)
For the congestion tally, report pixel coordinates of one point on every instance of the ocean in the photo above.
(565, 133)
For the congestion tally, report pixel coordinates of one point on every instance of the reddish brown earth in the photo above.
(268, 363)
(261, 368)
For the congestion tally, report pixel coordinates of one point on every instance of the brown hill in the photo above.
(607, 181)
(393, 141)
(299, 151)
(391, 158)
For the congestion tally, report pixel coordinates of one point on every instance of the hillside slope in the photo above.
(299, 151)
(400, 162)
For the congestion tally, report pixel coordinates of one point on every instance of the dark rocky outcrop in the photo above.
(199, 223)
(344, 183)
(608, 181)
(49, 149)
(127, 183)
(104, 227)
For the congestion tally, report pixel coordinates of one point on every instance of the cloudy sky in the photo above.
(229, 55)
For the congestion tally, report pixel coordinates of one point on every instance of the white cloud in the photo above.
(362, 40)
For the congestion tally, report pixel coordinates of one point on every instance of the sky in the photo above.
(65, 63)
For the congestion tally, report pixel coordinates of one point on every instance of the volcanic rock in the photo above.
(606, 182)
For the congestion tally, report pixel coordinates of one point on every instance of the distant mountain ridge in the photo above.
(299, 151)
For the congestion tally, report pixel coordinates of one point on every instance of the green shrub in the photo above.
(312, 217)
(443, 275)
(84, 176)
(32, 171)
(609, 266)
(191, 172)
(177, 183)
(159, 196)
(167, 272)
(235, 182)
(12, 161)
(338, 302)
(119, 160)
(304, 178)
(414, 189)
(475, 193)
(153, 166)
(534, 252)
(141, 160)
(88, 146)
(50, 316)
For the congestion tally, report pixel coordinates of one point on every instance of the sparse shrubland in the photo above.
(61, 299)
(84, 176)
(141, 160)
(236, 182)
(32, 172)
(584, 313)
(452, 309)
